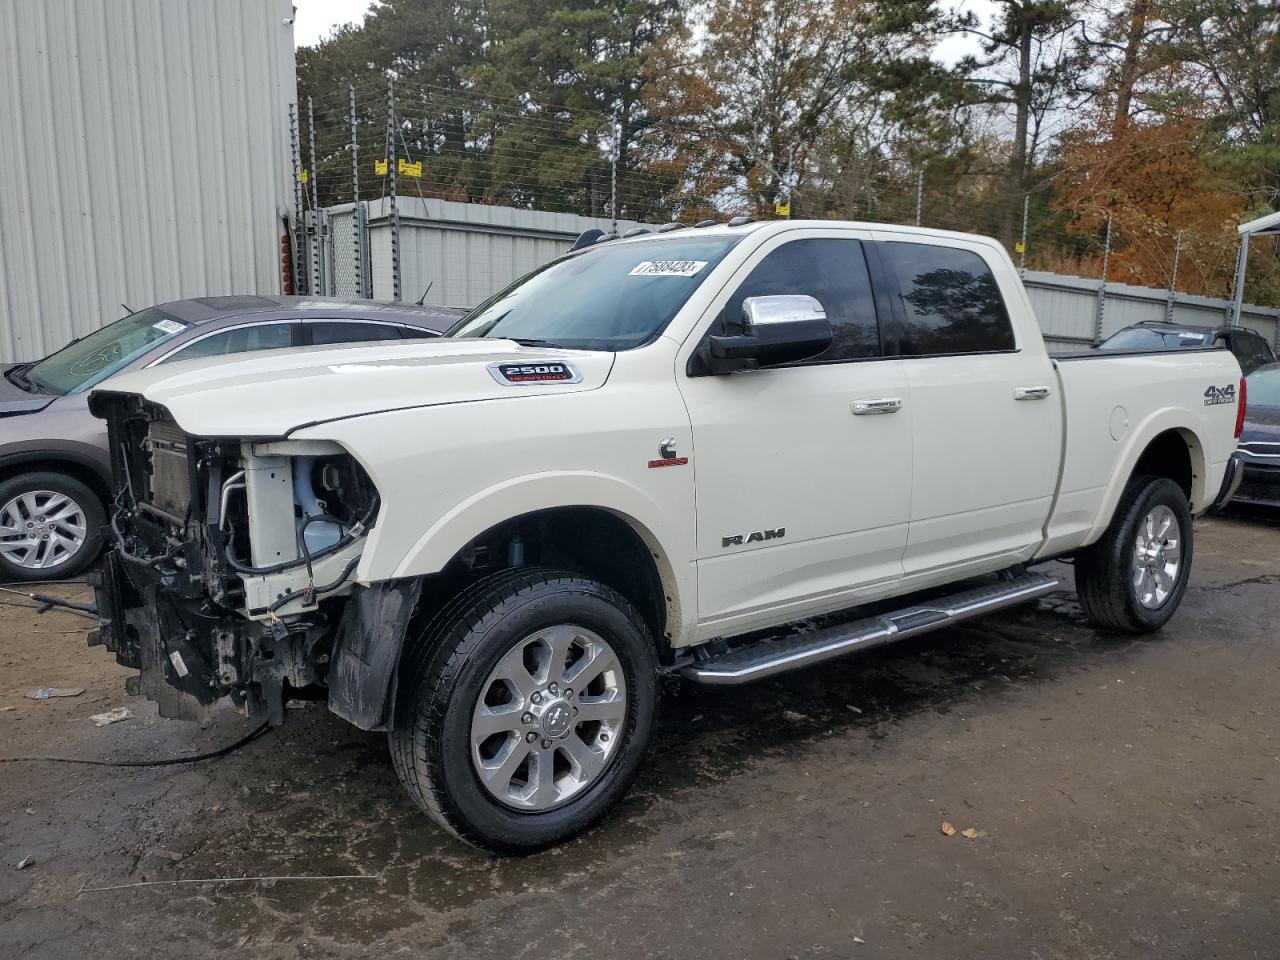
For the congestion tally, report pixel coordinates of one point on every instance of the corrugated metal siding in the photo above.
(144, 152)
(1067, 307)
(467, 251)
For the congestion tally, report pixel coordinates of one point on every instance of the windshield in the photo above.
(614, 297)
(1264, 387)
(1145, 338)
(85, 362)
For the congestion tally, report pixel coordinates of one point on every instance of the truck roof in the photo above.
(736, 228)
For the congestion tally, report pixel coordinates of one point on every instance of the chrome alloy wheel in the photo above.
(1157, 557)
(40, 529)
(549, 718)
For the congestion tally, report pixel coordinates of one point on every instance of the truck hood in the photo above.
(268, 394)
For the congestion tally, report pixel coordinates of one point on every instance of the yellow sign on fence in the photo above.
(782, 208)
(409, 169)
(379, 168)
(303, 176)
(1019, 247)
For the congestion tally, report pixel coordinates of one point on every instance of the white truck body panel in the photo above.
(966, 478)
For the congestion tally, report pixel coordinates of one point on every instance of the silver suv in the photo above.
(54, 466)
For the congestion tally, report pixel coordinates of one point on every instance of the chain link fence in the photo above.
(385, 143)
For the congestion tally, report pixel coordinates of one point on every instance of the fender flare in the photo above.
(520, 496)
(1162, 421)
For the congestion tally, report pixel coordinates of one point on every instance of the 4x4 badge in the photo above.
(1216, 395)
(667, 455)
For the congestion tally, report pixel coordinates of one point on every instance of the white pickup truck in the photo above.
(649, 455)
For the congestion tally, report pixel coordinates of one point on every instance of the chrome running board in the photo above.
(767, 658)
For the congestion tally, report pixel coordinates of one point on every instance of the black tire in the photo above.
(91, 508)
(1104, 573)
(446, 670)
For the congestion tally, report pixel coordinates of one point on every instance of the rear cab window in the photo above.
(948, 301)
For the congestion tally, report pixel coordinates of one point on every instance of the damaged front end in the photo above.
(232, 561)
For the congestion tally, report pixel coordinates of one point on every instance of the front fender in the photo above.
(519, 496)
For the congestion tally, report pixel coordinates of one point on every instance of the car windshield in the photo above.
(1146, 338)
(613, 297)
(1264, 388)
(88, 361)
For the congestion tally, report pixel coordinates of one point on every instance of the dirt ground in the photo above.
(1124, 795)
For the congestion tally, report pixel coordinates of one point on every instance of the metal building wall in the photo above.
(466, 251)
(1067, 309)
(144, 157)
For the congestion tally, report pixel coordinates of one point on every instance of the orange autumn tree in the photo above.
(1154, 181)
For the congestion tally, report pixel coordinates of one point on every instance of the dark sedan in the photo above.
(1260, 441)
(54, 469)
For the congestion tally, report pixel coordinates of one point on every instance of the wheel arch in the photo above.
(596, 541)
(81, 468)
(1163, 447)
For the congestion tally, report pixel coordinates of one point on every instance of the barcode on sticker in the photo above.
(167, 326)
(667, 268)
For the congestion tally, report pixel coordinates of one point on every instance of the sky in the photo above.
(315, 19)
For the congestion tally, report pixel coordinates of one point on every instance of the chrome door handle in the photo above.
(1030, 393)
(869, 406)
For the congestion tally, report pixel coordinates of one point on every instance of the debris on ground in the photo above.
(44, 693)
(26, 861)
(947, 829)
(7, 709)
(852, 709)
(111, 716)
(969, 833)
(791, 716)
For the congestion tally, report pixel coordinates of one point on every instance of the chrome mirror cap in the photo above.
(781, 308)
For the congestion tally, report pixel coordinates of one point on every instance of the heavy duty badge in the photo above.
(545, 371)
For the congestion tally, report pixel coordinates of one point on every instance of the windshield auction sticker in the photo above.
(168, 326)
(667, 268)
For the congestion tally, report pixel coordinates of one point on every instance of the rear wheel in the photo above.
(525, 709)
(50, 526)
(1133, 579)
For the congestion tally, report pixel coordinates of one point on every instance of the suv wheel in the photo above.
(524, 709)
(50, 526)
(1133, 579)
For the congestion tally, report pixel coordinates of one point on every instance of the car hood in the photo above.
(268, 394)
(14, 400)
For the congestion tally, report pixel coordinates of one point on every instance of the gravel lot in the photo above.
(1124, 797)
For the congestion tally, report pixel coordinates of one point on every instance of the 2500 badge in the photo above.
(550, 371)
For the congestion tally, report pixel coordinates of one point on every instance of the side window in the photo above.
(951, 300)
(415, 333)
(350, 331)
(267, 336)
(832, 271)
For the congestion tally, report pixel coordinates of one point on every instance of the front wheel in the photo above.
(526, 706)
(1133, 579)
(50, 526)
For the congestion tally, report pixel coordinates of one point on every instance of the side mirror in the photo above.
(775, 330)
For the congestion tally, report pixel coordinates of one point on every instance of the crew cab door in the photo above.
(802, 484)
(987, 418)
